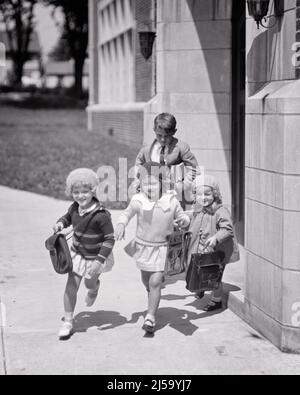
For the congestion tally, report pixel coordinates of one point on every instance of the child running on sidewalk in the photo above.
(156, 212)
(92, 243)
(211, 228)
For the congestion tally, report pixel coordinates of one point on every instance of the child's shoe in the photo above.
(212, 306)
(149, 324)
(199, 294)
(92, 295)
(66, 330)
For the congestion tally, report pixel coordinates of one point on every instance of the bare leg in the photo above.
(93, 286)
(145, 279)
(70, 296)
(155, 284)
(92, 283)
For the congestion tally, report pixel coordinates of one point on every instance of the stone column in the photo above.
(194, 80)
(272, 289)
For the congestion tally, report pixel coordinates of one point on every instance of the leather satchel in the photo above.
(59, 253)
(205, 271)
(178, 245)
(58, 247)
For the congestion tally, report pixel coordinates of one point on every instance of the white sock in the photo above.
(151, 317)
(68, 317)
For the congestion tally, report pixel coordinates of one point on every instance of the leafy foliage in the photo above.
(61, 51)
(18, 17)
(75, 30)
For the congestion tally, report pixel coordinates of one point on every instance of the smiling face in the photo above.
(164, 136)
(205, 196)
(150, 186)
(83, 195)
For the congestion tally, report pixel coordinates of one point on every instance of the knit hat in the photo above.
(208, 181)
(86, 177)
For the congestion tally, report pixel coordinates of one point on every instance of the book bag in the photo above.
(58, 247)
(178, 244)
(59, 253)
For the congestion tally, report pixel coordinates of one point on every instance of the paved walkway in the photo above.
(108, 338)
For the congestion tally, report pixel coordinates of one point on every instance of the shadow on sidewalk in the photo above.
(102, 320)
(174, 279)
(226, 289)
(178, 319)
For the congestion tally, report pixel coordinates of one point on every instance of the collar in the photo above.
(164, 202)
(211, 210)
(82, 212)
(169, 147)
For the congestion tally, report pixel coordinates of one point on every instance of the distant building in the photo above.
(122, 80)
(235, 91)
(61, 74)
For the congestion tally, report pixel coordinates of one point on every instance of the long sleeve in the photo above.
(224, 226)
(140, 160)
(181, 215)
(128, 213)
(67, 218)
(191, 165)
(109, 239)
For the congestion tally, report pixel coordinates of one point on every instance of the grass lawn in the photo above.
(38, 148)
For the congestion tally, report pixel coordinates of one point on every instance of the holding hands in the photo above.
(179, 223)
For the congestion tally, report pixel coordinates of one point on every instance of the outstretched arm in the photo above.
(125, 218)
(64, 222)
(181, 218)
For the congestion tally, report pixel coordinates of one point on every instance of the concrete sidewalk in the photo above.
(108, 338)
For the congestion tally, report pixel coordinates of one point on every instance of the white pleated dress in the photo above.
(155, 221)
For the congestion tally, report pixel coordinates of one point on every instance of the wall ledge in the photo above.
(277, 97)
(121, 107)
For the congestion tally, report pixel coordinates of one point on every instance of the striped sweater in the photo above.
(93, 232)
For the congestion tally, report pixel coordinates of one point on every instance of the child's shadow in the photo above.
(227, 288)
(102, 320)
(178, 319)
(173, 279)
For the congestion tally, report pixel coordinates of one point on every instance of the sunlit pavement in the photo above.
(108, 337)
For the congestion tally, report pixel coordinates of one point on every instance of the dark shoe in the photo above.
(200, 295)
(213, 307)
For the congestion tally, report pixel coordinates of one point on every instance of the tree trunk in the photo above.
(18, 67)
(79, 65)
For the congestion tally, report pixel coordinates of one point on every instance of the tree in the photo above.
(61, 52)
(18, 17)
(75, 29)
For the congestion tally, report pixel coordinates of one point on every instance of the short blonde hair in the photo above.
(81, 177)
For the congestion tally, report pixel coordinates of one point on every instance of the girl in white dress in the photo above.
(157, 211)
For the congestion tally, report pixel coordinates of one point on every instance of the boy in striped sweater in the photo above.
(92, 243)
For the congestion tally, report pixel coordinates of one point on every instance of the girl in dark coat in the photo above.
(212, 228)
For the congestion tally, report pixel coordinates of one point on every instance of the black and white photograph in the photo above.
(149, 190)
